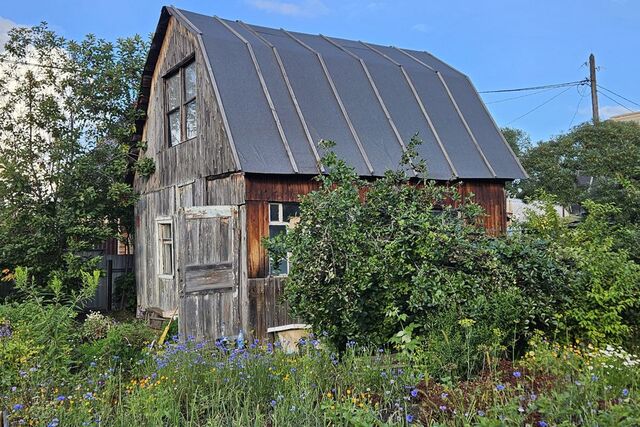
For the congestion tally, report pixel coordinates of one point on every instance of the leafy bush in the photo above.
(603, 295)
(407, 260)
(43, 331)
(95, 326)
(123, 343)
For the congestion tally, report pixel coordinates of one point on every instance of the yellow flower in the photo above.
(329, 395)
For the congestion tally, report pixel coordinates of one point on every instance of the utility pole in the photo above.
(594, 90)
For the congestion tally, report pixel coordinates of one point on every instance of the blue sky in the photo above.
(498, 43)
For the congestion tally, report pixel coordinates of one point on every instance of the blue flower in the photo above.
(481, 413)
(594, 378)
(500, 387)
(273, 403)
(444, 395)
(88, 396)
(517, 374)
(18, 406)
(409, 418)
(625, 392)
(54, 423)
(414, 393)
(60, 398)
(542, 424)
(533, 396)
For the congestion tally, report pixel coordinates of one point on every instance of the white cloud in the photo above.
(421, 28)
(302, 8)
(5, 26)
(607, 111)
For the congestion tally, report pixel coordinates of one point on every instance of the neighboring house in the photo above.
(234, 114)
(629, 117)
(518, 210)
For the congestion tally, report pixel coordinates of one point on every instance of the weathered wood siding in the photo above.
(197, 172)
(493, 199)
(205, 155)
(267, 306)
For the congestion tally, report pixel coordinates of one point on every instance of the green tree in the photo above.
(65, 128)
(591, 162)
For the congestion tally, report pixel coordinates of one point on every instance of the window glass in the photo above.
(190, 81)
(290, 210)
(274, 212)
(174, 128)
(167, 258)
(173, 91)
(192, 120)
(165, 254)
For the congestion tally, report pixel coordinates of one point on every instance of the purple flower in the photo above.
(18, 406)
(414, 393)
(444, 395)
(88, 396)
(409, 418)
(443, 408)
(625, 392)
(60, 398)
(273, 403)
(533, 396)
(517, 374)
(542, 424)
(500, 387)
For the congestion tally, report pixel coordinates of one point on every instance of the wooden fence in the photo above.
(267, 307)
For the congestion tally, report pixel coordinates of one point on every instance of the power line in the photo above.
(552, 86)
(623, 106)
(518, 97)
(539, 106)
(575, 113)
(618, 95)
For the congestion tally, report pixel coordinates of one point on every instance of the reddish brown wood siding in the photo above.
(260, 190)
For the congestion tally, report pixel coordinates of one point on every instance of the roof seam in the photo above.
(376, 92)
(216, 89)
(504, 140)
(457, 108)
(291, 94)
(422, 108)
(337, 96)
(265, 90)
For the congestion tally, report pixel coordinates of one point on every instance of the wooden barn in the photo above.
(234, 114)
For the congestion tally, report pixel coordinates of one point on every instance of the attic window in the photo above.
(180, 91)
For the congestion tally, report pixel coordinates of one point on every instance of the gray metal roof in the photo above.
(282, 92)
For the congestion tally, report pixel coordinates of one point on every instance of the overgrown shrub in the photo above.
(123, 343)
(43, 330)
(406, 261)
(95, 326)
(603, 295)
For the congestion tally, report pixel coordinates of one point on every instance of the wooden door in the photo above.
(207, 260)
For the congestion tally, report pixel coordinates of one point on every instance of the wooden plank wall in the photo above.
(493, 199)
(162, 292)
(267, 306)
(206, 155)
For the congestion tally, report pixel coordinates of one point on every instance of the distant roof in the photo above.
(628, 117)
(282, 92)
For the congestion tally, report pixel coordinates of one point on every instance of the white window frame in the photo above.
(179, 73)
(287, 224)
(160, 248)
